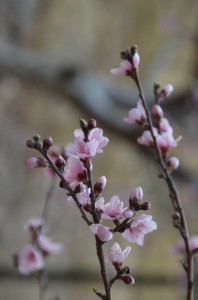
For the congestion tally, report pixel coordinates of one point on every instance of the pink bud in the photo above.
(137, 193)
(35, 162)
(129, 213)
(136, 60)
(157, 112)
(100, 185)
(173, 163)
(47, 143)
(165, 91)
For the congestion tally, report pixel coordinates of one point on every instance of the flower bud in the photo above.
(129, 213)
(35, 162)
(100, 185)
(164, 92)
(36, 137)
(135, 56)
(47, 143)
(176, 217)
(146, 205)
(128, 279)
(60, 163)
(173, 163)
(30, 144)
(157, 112)
(137, 193)
(91, 124)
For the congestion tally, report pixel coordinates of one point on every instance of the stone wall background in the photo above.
(89, 34)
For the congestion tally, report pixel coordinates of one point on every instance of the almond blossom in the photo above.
(136, 115)
(138, 227)
(103, 232)
(116, 255)
(30, 260)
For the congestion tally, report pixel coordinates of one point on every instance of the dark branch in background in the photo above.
(97, 95)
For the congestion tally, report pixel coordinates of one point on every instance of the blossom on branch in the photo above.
(103, 232)
(136, 115)
(116, 256)
(30, 260)
(138, 227)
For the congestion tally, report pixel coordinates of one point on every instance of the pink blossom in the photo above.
(164, 126)
(166, 141)
(75, 171)
(138, 228)
(113, 209)
(95, 134)
(83, 198)
(173, 163)
(103, 232)
(30, 260)
(82, 149)
(137, 193)
(146, 138)
(136, 115)
(164, 92)
(124, 69)
(179, 248)
(99, 205)
(47, 246)
(116, 255)
(35, 162)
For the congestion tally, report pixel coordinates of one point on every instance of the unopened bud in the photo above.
(30, 144)
(79, 188)
(91, 124)
(100, 185)
(146, 205)
(173, 163)
(137, 193)
(176, 217)
(126, 270)
(63, 184)
(164, 92)
(135, 56)
(157, 112)
(60, 163)
(129, 213)
(47, 143)
(36, 137)
(128, 279)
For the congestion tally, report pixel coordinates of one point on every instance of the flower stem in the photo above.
(174, 195)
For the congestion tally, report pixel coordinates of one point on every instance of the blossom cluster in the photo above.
(74, 167)
(162, 130)
(32, 256)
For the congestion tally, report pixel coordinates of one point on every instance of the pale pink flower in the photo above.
(138, 228)
(164, 92)
(113, 209)
(47, 246)
(137, 193)
(179, 248)
(146, 138)
(124, 69)
(164, 126)
(83, 198)
(35, 162)
(82, 149)
(103, 232)
(30, 260)
(157, 112)
(95, 134)
(99, 205)
(136, 115)
(75, 171)
(166, 141)
(173, 163)
(116, 255)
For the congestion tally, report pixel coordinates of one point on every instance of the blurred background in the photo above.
(55, 61)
